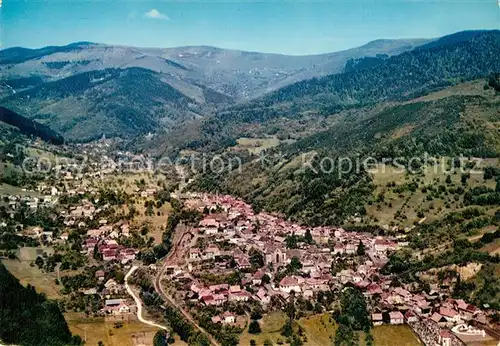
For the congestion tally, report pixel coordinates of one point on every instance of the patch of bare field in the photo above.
(131, 332)
(256, 145)
(466, 272)
(492, 248)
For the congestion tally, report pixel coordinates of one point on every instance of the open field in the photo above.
(31, 253)
(256, 145)
(132, 333)
(492, 248)
(271, 326)
(43, 282)
(6, 189)
(155, 223)
(320, 330)
(394, 335)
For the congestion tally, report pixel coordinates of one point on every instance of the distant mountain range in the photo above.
(238, 74)
(439, 64)
(85, 90)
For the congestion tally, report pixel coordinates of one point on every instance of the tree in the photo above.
(254, 327)
(160, 338)
(292, 242)
(39, 262)
(253, 343)
(344, 336)
(256, 314)
(308, 237)
(361, 249)
(268, 342)
(96, 253)
(256, 258)
(120, 277)
(448, 179)
(295, 265)
(100, 343)
(369, 340)
(287, 329)
(354, 312)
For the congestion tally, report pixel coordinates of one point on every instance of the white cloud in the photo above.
(155, 14)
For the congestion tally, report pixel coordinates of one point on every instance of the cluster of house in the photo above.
(405, 306)
(233, 222)
(103, 241)
(230, 229)
(112, 295)
(14, 202)
(217, 295)
(85, 210)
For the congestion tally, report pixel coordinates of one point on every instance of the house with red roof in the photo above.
(445, 338)
(377, 319)
(289, 284)
(396, 317)
(451, 316)
(410, 317)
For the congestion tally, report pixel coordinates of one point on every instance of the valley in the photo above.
(204, 196)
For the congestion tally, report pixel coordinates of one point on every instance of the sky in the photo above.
(288, 27)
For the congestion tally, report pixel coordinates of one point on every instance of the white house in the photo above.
(289, 284)
(396, 317)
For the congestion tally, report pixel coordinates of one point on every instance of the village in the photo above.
(230, 235)
(231, 262)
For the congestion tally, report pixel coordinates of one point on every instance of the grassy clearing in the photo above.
(492, 248)
(31, 253)
(6, 189)
(132, 333)
(271, 327)
(468, 88)
(155, 223)
(394, 335)
(256, 145)
(319, 329)
(43, 282)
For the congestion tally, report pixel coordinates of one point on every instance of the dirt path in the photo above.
(138, 301)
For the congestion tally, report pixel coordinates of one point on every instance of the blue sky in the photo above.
(290, 27)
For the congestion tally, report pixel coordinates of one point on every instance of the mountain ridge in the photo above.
(396, 78)
(239, 74)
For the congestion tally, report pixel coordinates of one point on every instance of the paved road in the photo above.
(166, 297)
(138, 301)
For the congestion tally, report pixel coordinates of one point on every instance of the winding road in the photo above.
(138, 301)
(159, 289)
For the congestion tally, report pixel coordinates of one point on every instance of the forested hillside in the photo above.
(459, 57)
(449, 126)
(111, 102)
(30, 127)
(459, 121)
(28, 318)
(399, 77)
